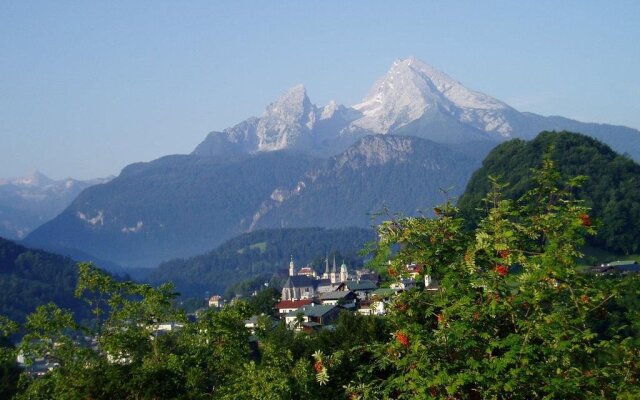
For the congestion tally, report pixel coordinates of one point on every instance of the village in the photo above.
(310, 302)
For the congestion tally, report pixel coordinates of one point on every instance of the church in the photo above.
(305, 285)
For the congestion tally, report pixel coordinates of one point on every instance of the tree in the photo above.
(514, 318)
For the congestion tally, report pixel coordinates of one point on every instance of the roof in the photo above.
(292, 304)
(323, 282)
(433, 285)
(298, 281)
(337, 295)
(621, 263)
(362, 285)
(312, 310)
(383, 292)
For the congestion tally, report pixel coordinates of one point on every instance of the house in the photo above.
(403, 284)
(431, 285)
(308, 271)
(319, 314)
(252, 323)
(362, 288)
(379, 300)
(216, 301)
(367, 275)
(365, 308)
(415, 270)
(346, 299)
(286, 306)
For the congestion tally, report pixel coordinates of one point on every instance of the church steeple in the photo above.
(344, 274)
(334, 273)
(326, 267)
(292, 270)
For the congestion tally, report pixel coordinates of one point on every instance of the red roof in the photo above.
(292, 303)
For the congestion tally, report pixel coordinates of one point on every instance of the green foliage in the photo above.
(612, 189)
(546, 331)
(9, 371)
(264, 301)
(29, 278)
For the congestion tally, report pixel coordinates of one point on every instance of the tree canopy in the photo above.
(612, 189)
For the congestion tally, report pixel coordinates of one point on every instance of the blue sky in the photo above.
(89, 87)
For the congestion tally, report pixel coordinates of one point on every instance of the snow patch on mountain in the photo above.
(133, 229)
(98, 219)
(277, 197)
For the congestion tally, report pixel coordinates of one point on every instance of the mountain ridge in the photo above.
(412, 98)
(183, 205)
(30, 201)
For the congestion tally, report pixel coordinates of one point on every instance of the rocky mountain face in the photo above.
(179, 206)
(171, 207)
(412, 98)
(28, 202)
(399, 173)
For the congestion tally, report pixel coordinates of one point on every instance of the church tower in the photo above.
(334, 273)
(292, 270)
(326, 268)
(344, 274)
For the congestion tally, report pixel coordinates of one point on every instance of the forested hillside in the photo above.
(30, 278)
(261, 254)
(612, 188)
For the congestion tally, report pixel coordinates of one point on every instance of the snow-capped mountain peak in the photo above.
(34, 179)
(411, 88)
(286, 120)
(412, 98)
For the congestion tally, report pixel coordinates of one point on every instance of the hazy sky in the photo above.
(87, 87)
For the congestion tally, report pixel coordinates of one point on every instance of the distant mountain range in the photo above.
(28, 202)
(179, 206)
(416, 132)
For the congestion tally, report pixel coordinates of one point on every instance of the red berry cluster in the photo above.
(586, 220)
(402, 338)
(502, 270)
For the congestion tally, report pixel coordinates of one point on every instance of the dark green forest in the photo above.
(30, 278)
(611, 190)
(259, 255)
